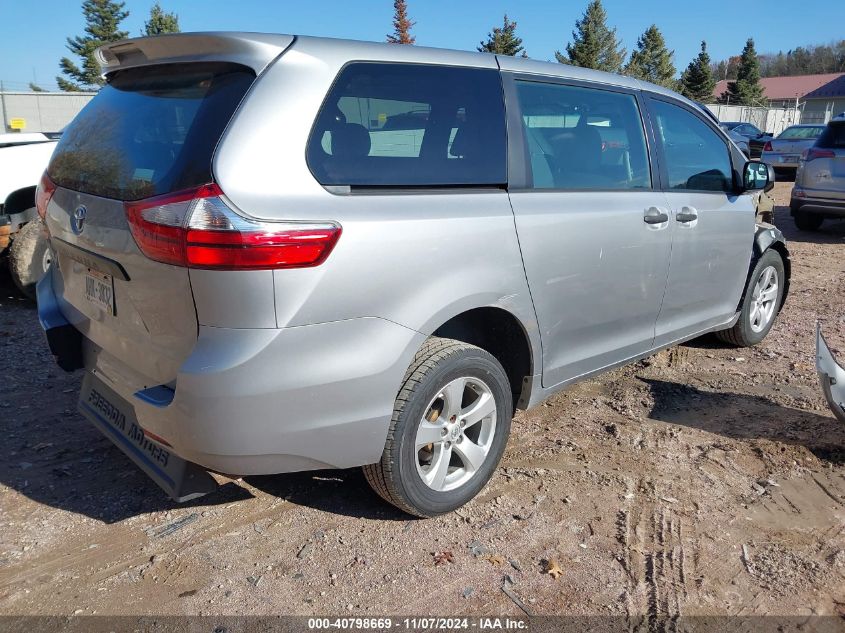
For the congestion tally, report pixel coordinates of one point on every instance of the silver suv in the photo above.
(819, 191)
(278, 253)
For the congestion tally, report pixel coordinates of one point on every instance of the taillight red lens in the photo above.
(767, 147)
(46, 189)
(816, 152)
(197, 229)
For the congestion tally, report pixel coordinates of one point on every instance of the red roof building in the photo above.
(798, 86)
(819, 96)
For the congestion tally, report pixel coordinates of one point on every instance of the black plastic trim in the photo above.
(90, 259)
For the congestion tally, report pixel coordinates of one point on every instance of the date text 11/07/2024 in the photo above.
(425, 623)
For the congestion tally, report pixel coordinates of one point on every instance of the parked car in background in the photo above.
(23, 158)
(739, 140)
(319, 253)
(755, 136)
(819, 191)
(785, 150)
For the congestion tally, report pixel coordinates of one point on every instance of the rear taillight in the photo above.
(816, 152)
(767, 147)
(46, 189)
(196, 228)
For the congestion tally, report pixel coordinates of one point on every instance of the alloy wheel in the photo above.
(456, 433)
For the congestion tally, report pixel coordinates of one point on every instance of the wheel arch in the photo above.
(20, 200)
(504, 335)
(769, 237)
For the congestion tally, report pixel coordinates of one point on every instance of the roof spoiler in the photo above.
(255, 50)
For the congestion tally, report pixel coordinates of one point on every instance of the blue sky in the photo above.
(32, 35)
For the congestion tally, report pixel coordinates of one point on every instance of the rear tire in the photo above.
(447, 383)
(760, 304)
(807, 221)
(29, 257)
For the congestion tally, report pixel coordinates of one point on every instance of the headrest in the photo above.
(464, 140)
(350, 140)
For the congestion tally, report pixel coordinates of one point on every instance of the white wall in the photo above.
(43, 111)
(773, 120)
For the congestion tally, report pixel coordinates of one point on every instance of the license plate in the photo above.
(115, 418)
(789, 158)
(99, 290)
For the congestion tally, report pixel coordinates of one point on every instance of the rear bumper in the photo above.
(64, 340)
(262, 401)
(776, 160)
(828, 207)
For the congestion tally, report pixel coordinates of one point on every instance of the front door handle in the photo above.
(653, 215)
(686, 215)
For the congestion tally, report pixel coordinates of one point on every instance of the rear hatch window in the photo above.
(150, 130)
(833, 137)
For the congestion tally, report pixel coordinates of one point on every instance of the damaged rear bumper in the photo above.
(831, 376)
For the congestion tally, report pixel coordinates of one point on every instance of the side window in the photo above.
(399, 125)
(583, 138)
(697, 157)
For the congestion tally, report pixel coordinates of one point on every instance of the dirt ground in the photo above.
(704, 480)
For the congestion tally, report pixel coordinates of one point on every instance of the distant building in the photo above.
(819, 97)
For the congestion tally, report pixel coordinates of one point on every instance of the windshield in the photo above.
(150, 130)
(797, 133)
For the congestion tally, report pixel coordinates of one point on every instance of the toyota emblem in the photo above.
(77, 220)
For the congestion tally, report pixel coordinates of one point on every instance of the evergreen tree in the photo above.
(503, 40)
(594, 44)
(161, 22)
(652, 61)
(401, 25)
(102, 18)
(34, 87)
(746, 90)
(697, 82)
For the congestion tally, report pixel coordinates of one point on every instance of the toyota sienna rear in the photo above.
(278, 253)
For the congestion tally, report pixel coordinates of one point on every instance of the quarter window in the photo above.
(697, 158)
(583, 138)
(411, 125)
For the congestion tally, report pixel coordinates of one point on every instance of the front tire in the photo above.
(760, 304)
(449, 428)
(29, 257)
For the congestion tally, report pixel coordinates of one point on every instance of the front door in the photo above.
(712, 227)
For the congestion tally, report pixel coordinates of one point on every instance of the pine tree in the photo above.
(161, 22)
(34, 87)
(401, 25)
(746, 90)
(652, 61)
(697, 82)
(594, 44)
(503, 40)
(102, 18)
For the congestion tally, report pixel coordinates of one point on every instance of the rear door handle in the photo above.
(687, 214)
(653, 215)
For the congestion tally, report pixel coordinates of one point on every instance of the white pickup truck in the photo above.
(23, 158)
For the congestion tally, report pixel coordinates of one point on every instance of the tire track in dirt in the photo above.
(661, 572)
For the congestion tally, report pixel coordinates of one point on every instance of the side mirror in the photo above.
(757, 175)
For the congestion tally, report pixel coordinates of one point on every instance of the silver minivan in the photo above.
(279, 253)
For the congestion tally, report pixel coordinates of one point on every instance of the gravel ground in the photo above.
(704, 480)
